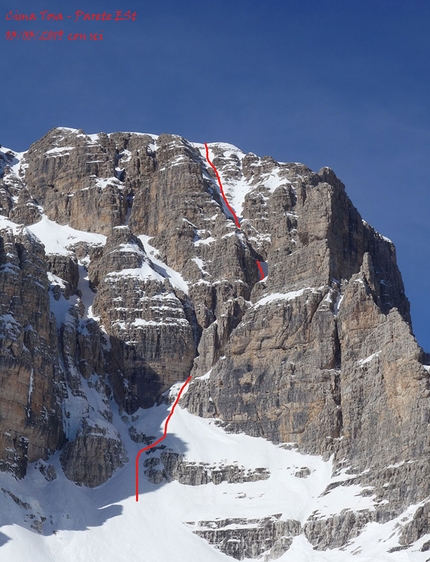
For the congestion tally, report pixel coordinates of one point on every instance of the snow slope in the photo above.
(56, 237)
(107, 524)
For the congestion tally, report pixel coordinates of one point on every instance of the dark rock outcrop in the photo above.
(172, 466)
(93, 456)
(250, 538)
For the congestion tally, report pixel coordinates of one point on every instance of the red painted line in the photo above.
(236, 220)
(260, 269)
(161, 438)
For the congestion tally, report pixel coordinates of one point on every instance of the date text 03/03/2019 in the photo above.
(79, 15)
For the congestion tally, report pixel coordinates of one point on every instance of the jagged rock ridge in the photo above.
(144, 279)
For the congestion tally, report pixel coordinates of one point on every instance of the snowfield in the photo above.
(56, 237)
(107, 524)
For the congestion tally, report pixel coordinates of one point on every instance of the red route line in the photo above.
(236, 220)
(161, 438)
(260, 271)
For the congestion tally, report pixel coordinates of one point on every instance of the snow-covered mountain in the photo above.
(129, 262)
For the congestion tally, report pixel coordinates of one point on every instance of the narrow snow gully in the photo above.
(236, 220)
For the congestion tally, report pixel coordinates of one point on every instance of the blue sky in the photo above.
(339, 83)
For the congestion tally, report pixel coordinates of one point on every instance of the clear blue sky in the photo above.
(339, 83)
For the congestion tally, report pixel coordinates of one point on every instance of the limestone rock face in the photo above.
(92, 457)
(74, 178)
(285, 360)
(249, 538)
(151, 338)
(30, 376)
(172, 466)
(123, 271)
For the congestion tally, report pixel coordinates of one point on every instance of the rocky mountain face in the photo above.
(122, 272)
